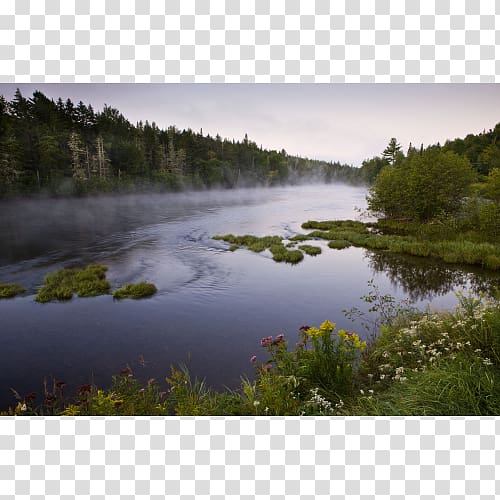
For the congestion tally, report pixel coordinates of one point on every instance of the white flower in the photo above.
(256, 403)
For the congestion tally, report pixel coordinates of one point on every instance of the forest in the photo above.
(62, 148)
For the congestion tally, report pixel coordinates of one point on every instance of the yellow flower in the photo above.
(327, 326)
(312, 332)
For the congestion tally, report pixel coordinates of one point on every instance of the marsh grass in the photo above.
(310, 249)
(9, 290)
(257, 244)
(62, 284)
(414, 241)
(339, 244)
(253, 243)
(282, 254)
(135, 291)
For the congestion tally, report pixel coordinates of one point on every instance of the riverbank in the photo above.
(417, 363)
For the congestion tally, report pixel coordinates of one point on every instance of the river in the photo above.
(213, 305)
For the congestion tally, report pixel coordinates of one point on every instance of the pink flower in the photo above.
(266, 342)
(253, 359)
(300, 345)
(280, 337)
(268, 368)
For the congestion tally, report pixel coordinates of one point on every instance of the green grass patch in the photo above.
(140, 290)
(62, 284)
(282, 254)
(9, 290)
(416, 242)
(339, 244)
(253, 243)
(300, 237)
(310, 249)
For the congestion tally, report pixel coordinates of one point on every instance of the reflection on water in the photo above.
(422, 279)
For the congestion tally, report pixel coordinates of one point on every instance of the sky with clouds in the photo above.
(338, 122)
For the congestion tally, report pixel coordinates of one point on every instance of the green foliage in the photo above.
(257, 244)
(62, 284)
(282, 254)
(414, 188)
(299, 237)
(310, 249)
(9, 290)
(390, 153)
(135, 291)
(339, 244)
(435, 364)
(328, 225)
(492, 185)
(420, 240)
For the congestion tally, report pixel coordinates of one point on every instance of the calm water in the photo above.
(213, 305)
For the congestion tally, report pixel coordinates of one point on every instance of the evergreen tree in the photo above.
(390, 153)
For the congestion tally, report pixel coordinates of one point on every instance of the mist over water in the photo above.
(213, 305)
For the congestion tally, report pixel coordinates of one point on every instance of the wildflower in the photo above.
(256, 403)
(268, 368)
(24, 407)
(266, 341)
(300, 345)
(327, 326)
(280, 337)
(487, 362)
(402, 379)
(266, 410)
(312, 332)
(253, 359)
(370, 376)
(371, 391)
(382, 376)
(361, 391)
(305, 328)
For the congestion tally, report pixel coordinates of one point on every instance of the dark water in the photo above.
(213, 305)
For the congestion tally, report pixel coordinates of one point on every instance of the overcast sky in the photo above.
(341, 122)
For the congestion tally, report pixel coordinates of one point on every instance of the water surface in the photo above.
(213, 305)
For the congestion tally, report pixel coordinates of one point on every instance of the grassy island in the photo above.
(62, 284)
(9, 290)
(135, 291)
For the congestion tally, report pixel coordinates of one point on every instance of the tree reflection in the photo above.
(422, 278)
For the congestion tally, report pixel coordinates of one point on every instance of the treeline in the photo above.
(64, 148)
(481, 150)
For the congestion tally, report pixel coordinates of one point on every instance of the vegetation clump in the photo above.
(62, 284)
(300, 237)
(9, 290)
(135, 291)
(253, 243)
(282, 254)
(310, 249)
(339, 244)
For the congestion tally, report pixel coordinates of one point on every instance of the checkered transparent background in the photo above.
(261, 41)
(249, 457)
(251, 41)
